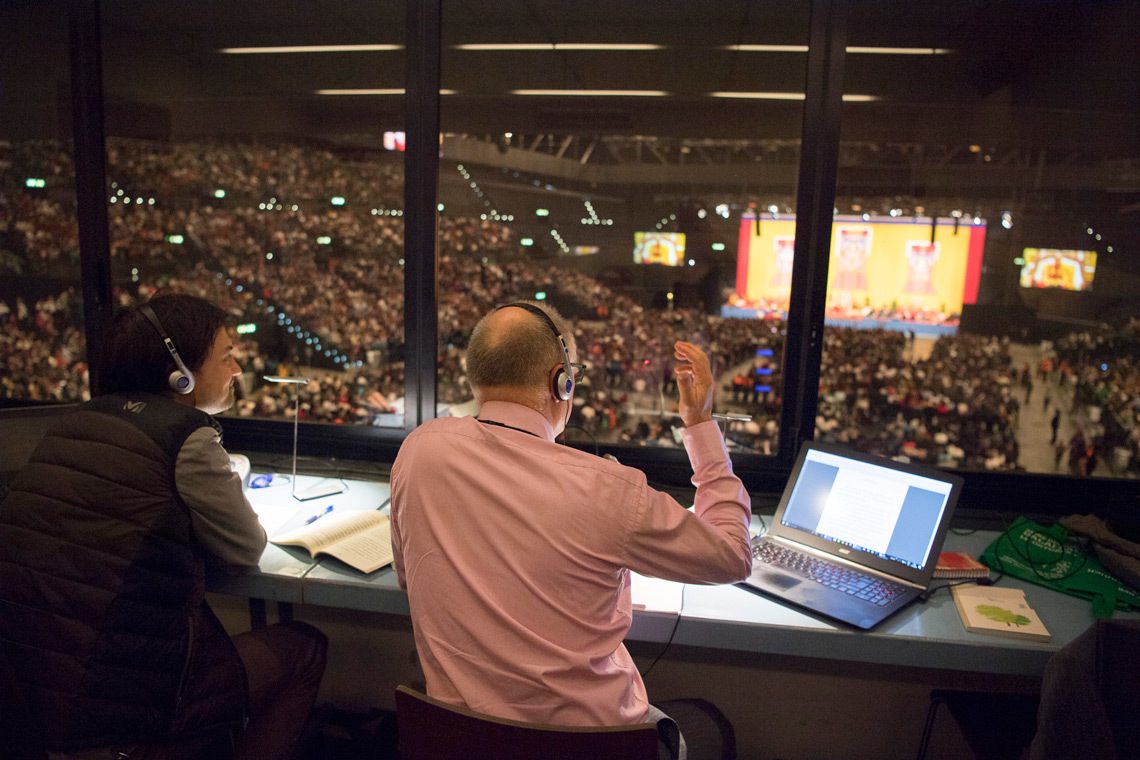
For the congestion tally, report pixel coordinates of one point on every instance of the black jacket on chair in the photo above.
(102, 610)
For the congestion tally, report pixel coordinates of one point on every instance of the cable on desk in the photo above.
(987, 581)
(672, 633)
(979, 581)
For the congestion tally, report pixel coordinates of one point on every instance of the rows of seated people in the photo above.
(349, 295)
(954, 408)
(1103, 369)
(42, 349)
(871, 396)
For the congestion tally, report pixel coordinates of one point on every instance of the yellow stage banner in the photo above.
(880, 263)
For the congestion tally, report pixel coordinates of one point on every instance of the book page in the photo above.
(330, 528)
(367, 549)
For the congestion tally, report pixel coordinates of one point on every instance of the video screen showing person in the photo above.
(1057, 268)
(661, 248)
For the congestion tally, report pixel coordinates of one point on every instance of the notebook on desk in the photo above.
(855, 537)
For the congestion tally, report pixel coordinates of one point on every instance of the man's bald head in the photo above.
(513, 348)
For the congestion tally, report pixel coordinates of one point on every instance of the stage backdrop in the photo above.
(882, 262)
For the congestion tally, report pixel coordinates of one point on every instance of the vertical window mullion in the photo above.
(421, 174)
(90, 158)
(815, 200)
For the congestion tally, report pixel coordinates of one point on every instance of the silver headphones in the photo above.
(181, 380)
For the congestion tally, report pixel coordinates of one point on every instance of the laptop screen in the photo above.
(886, 512)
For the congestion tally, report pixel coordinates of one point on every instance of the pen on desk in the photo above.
(319, 515)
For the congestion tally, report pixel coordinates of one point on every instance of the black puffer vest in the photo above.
(102, 610)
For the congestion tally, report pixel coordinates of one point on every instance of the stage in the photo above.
(920, 329)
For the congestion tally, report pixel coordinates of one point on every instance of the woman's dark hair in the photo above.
(134, 358)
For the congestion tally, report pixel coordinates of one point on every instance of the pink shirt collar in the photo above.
(517, 416)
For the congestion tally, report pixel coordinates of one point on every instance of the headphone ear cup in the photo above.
(181, 382)
(563, 385)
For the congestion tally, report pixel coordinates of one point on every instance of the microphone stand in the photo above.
(320, 489)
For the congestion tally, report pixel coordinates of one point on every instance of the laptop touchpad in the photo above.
(781, 581)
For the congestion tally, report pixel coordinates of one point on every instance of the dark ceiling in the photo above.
(1032, 97)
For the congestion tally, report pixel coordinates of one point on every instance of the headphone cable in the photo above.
(672, 633)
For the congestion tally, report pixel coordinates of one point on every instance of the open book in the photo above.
(361, 538)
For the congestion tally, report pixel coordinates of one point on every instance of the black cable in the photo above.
(979, 581)
(1037, 565)
(593, 438)
(672, 633)
(763, 523)
(986, 581)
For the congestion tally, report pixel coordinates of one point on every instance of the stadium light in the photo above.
(593, 93)
(511, 47)
(740, 95)
(854, 49)
(285, 49)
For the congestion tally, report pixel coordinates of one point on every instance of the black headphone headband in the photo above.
(181, 380)
(563, 385)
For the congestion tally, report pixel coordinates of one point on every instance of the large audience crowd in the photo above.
(956, 407)
(324, 285)
(1103, 369)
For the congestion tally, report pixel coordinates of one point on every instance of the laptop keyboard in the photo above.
(853, 582)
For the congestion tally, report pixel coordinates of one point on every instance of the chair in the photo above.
(431, 730)
(1090, 696)
(19, 733)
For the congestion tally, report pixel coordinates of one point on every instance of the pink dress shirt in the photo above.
(516, 551)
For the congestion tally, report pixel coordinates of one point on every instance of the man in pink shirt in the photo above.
(516, 551)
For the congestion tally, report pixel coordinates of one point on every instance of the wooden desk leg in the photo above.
(257, 613)
(285, 612)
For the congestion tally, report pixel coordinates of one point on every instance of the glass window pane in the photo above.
(609, 159)
(981, 284)
(254, 158)
(42, 350)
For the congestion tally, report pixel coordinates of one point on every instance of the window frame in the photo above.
(1018, 493)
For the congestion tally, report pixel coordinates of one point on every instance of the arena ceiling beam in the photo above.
(935, 174)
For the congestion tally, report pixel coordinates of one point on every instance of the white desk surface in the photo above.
(924, 635)
(279, 574)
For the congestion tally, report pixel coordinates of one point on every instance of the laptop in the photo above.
(856, 536)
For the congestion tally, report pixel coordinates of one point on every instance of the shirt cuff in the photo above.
(704, 443)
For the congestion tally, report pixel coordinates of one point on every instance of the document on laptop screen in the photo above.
(885, 512)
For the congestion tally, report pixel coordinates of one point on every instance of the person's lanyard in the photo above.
(508, 427)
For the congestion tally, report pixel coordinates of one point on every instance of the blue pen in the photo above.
(319, 515)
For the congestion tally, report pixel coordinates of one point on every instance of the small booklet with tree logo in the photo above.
(361, 538)
(1004, 611)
